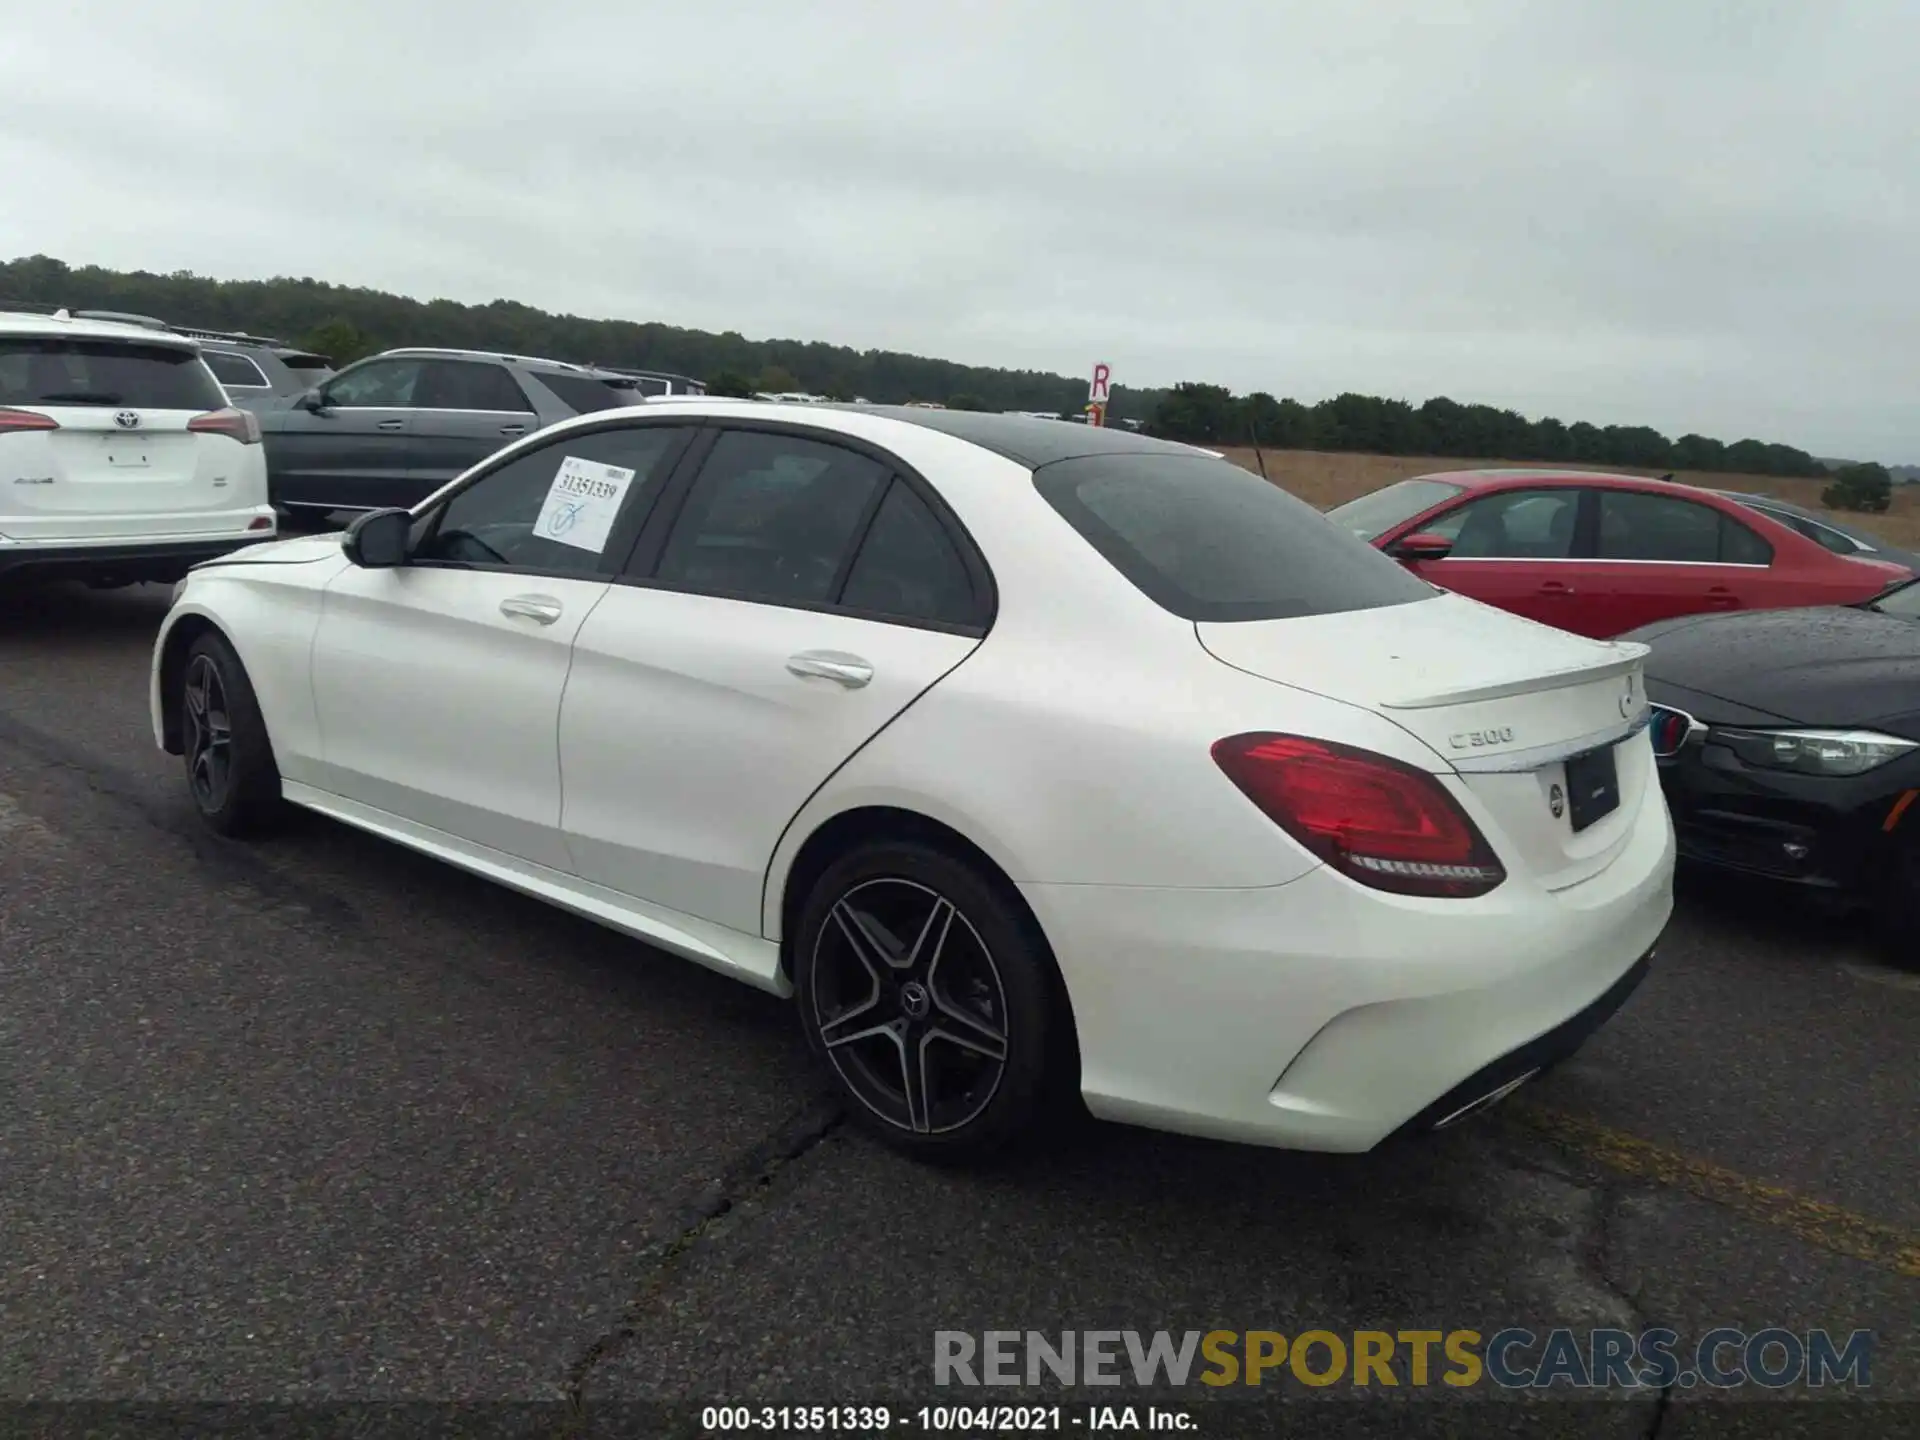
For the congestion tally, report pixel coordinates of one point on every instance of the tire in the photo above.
(979, 1011)
(231, 773)
(1897, 910)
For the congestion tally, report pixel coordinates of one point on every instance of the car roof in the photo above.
(1490, 478)
(60, 325)
(1025, 439)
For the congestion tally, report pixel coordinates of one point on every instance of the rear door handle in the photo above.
(1555, 587)
(835, 665)
(1721, 598)
(513, 429)
(391, 425)
(543, 609)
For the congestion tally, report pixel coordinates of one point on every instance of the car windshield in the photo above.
(1371, 516)
(37, 370)
(1210, 541)
(1902, 601)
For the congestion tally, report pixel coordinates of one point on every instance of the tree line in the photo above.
(346, 322)
(1210, 414)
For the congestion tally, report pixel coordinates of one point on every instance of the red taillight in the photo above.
(26, 420)
(235, 424)
(1381, 822)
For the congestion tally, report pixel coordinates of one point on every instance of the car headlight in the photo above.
(1815, 752)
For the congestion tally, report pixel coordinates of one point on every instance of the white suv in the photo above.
(121, 457)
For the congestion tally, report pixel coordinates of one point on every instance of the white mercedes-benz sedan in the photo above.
(1025, 757)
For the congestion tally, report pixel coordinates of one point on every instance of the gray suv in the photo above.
(257, 371)
(393, 428)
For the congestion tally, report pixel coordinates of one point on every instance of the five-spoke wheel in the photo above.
(924, 989)
(223, 740)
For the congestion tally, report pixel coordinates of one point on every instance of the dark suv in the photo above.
(259, 372)
(393, 428)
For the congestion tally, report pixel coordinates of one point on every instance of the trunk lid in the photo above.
(1504, 702)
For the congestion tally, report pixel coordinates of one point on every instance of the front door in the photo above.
(1514, 549)
(352, 453)
(438, 683)
(764, 646)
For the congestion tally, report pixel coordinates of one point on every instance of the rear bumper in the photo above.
(143, 560)
(1321, 1016)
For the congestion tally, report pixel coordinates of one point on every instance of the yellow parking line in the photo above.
(1827, 1227)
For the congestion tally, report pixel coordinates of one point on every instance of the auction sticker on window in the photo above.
(582, 502)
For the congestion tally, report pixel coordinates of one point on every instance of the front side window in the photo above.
(1637, 525)
(469, 385)
(1207, 540)
(1371, 516)
(770, 517)
(554, 510)
(377, 385)
(54, 371)
(1512, 525)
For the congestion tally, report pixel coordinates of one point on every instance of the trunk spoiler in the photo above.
(1628, 663)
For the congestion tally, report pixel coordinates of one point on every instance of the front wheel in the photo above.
(229, 761)
(925, 991)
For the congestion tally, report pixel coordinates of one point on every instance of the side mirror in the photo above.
(1424, 546)
(312, 401)
(377, 540)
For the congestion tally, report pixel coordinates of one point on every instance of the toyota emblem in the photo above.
(1557, 802)
(127, 419)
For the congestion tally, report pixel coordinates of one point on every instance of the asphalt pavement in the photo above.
(319, 1120)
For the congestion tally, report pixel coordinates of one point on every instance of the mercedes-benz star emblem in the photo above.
(915, 1000)
(127, 419)
(1557, 802)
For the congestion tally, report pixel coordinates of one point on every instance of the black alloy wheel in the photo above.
(922, 989)
(231, 773)
(206, 733)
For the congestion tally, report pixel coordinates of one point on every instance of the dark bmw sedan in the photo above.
(1789, 745)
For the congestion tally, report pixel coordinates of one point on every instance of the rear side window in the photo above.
(231, 370)
(56, 371)
(468, 385)
(583, 394)
(1636, 525)
(1210, 541)
(907, 567)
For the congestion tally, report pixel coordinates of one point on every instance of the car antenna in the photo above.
(1253, 438)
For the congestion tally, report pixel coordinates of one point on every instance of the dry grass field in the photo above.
(1326, 480)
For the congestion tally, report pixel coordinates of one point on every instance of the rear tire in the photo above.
(231, 773)
(925, 992)
(1897, 910)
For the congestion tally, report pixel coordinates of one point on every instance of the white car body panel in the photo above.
(688, 700)
(648, 760)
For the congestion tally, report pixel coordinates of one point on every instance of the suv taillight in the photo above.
(235, 424)
(1374, 819)
(26, 420)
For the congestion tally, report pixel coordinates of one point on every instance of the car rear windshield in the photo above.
(585, 394)
(46, 371)
(1371, 516)
(231, 369)
(1210, 541)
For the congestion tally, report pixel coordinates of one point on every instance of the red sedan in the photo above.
(1602, 554)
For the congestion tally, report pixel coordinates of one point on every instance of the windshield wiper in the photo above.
(80, 397)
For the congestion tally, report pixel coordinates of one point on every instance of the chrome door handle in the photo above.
(513, 429)
(390, 425)
(541, 608)
(835, 665)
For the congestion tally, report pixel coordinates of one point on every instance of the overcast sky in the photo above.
(1686, 213)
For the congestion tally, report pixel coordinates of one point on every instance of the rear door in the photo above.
(796, 594)
(352, 453)
(1514, 549)
(467, 409)
(118, 460)
(1659, 555)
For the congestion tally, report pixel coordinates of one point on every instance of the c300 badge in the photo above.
(1556, 801)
